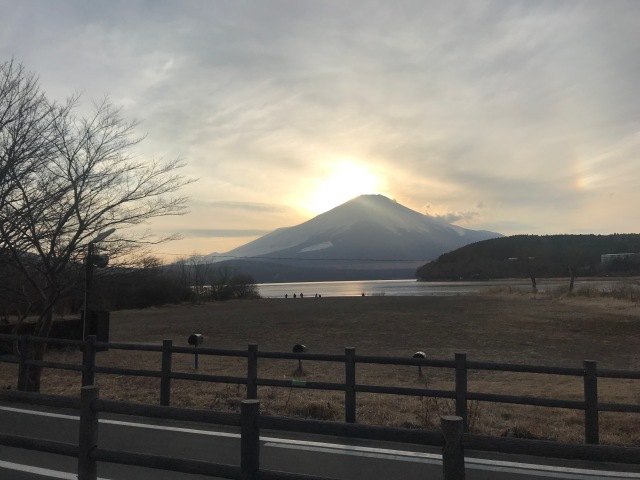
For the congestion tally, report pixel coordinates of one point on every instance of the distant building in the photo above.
(608, 258)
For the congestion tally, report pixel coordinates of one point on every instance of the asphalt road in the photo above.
(323, 456)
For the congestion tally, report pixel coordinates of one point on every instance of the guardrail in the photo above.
(451, 438)
(461, 396)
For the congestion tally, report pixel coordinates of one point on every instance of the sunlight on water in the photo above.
(411, 287)
(396, 288)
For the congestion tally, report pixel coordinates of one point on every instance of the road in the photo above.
(324, 456)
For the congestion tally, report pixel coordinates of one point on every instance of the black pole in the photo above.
(461, 388)
(88, 275)
(165, 379)
(252, 372)
(350, 385)
(89, 361)
(452, 452)
(88, 433)
(249, 440)
(591, 420)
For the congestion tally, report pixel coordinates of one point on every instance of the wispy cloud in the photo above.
(528, 108)
(251, 206)
(221, 233)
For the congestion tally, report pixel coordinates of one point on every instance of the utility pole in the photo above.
(99, 261)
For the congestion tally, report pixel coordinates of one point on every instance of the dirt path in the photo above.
(506, 328)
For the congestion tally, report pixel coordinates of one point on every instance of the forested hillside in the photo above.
(537, 256)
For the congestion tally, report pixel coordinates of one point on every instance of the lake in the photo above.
(411, 287)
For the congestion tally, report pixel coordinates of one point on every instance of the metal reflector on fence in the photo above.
(195, 339)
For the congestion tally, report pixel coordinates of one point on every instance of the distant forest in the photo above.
(537, 256)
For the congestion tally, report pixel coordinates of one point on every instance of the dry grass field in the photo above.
(517, 328)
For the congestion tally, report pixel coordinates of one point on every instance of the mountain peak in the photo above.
(371, 227)
(367, 197)
(370, 206)
(370, 199)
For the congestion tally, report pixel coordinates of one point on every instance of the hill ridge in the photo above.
(361, 233)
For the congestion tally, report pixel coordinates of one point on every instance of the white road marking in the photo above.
(171, 429)
(45, 472)
(42, 414)
(470, 462)
(371, 453)
(334, 447)
(580, 471)
(124, 424)
(390, 454)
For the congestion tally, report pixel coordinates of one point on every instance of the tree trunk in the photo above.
(572, 276)
(34, 373)
(37, 350)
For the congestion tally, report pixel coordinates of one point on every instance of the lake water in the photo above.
(411, 287)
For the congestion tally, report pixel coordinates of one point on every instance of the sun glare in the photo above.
(348, 180)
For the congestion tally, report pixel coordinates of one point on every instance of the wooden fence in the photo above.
(451, 439)
(457, 429)
(89, 453)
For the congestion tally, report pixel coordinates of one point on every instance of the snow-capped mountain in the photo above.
(370, 232)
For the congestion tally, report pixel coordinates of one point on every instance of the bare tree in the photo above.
(179, 270)
(201, 275)
(26, 133)
(244, 286)
(16, 299)
(227, 284)
(75, 177)
(26, 127)
(26, 139)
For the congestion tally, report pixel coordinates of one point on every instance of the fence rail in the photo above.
(590, 374)
(451, 439)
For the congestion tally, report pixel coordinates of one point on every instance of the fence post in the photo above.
(88, 434)
(452, 451)
(23, 368)
(461, 389)
(89, 361)
(591, 420)
(165, 379)
(252, 372)
(350, 385)
(249, 439)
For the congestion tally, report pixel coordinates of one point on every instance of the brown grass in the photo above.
(520, 328)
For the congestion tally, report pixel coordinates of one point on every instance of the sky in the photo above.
(519, 117)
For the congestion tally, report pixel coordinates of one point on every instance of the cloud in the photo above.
(221, 233)
(531, 107)
(458, 216)
(442, 213)
(250, 206)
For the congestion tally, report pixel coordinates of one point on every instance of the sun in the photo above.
(347, 180)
